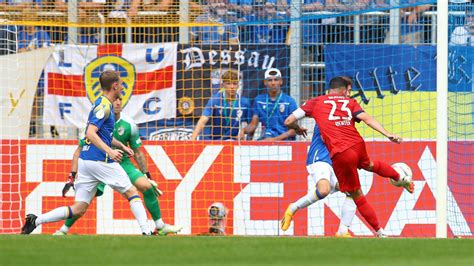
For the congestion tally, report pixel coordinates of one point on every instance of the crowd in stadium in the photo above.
(257, 21)
(243, 21)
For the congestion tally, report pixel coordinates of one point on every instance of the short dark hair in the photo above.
(348, 80)
(107, 78)
(339, 82)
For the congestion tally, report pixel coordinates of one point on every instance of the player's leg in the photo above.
(380, 168)
(113, 175)
(85, 190)
(141, 182)
(367, 211)
(153, 207)
(348, 211)
(345, 166)
(58, 214)
(322, 174)
(64, 230)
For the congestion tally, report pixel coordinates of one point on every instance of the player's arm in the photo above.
(291, 122)
(199, 126)
(91, 135)
(141, 160)
(122, 146)
(72, 175)
(251, 127)
(75, 159)
(288, 134)
(374, 124)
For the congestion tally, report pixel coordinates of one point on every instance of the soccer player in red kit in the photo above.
(336, 114)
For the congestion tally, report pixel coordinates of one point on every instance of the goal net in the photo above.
(195, 126)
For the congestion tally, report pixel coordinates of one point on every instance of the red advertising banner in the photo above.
(254, 180)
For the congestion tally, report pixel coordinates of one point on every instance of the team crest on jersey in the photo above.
(110, 62)
(221, 30)
(120, 131)
(282, 108)
(239, 115)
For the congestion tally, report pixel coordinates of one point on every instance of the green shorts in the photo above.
(132, 172)
(100, 189)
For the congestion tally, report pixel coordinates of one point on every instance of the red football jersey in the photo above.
(335, 116)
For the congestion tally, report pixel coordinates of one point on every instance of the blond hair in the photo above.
(230, 76)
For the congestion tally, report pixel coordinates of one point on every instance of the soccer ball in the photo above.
(405, 173)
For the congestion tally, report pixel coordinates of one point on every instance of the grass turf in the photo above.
(184, 250)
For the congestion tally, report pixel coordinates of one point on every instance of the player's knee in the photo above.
(368, 167)
(356, 193)
(323, 188)
(79, 209)
(131, 192)
(143, 184)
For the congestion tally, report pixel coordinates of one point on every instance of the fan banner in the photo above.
(399, 88)
(18, 85)
(200, 68)
(148, 72)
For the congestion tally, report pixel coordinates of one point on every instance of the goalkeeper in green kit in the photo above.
(126, 132)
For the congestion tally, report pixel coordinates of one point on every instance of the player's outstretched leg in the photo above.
(323, 188)
(32, 221)
(153, 206)
(385, 170)
(30, 224)
(64, 230)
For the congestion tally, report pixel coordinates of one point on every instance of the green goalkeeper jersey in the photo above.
(126, 131)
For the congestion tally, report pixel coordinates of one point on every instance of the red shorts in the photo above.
(345, 166)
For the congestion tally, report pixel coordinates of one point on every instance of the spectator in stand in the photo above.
(411, 23)
(114, 9)
(464, 35)
(374, 27)
(87, 11)
(271, 109)
(224, 34)
(244, 8)
(271, 32)
(339, 29)
(224, 112)
(19, 5)
(456, 17)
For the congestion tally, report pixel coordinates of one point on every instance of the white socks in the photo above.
(159, 224)
(139, 212)
(304, 202)
(55, 215)
(64, 229)
(347, 215)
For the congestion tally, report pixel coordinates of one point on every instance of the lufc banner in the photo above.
(72, 84)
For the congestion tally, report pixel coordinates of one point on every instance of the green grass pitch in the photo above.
(195, 250)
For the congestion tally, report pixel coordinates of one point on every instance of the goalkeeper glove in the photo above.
(154, 184)
(70, 183)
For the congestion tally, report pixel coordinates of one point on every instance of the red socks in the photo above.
(367, 212)
(385, 170)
